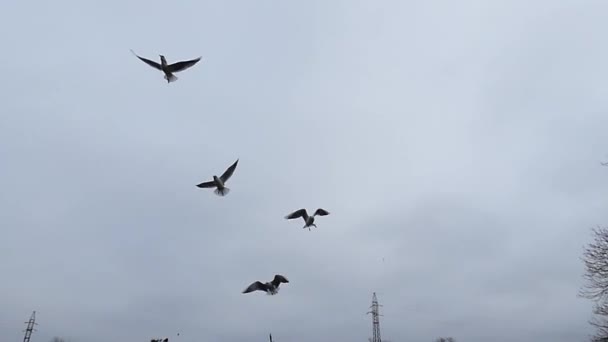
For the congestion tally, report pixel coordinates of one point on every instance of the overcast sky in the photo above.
(457, 145)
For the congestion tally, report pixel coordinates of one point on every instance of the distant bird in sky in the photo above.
(308, 220)
(220, 182)
(271, 287)
(168, 69)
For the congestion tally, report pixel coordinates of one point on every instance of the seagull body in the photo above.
(169, 69)
(309, 221)
(219, 183)
(271, 287)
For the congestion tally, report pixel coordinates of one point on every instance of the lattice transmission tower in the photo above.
(30, 327)
(375, 320)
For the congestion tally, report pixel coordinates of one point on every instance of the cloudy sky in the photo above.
(457, 145)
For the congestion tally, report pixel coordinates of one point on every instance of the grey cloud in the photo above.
(459, 142)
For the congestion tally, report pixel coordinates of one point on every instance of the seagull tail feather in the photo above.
(171, 78)
(222, 192)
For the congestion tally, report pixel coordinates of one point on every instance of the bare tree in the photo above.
(595, 258)
(445, 339)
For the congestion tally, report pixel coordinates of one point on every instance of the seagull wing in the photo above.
(321, 212)
(298, 213)
(209, 184)
(149, 62)
(278, 279)
(255, 286)
(229, 171)
(181, 66)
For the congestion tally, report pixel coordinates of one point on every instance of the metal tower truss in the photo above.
(30, 327)
(375, 319)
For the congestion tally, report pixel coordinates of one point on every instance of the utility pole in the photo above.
(375, 319)
(30, 327)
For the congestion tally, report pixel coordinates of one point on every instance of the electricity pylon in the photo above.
(30, 327)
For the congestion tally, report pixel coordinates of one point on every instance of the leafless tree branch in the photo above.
(595, 259)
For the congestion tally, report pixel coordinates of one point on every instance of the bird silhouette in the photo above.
(271, 287)
(309, 221)
(169, 69)
(220, 182)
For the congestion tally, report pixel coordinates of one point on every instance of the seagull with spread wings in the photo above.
(220, 182)
(271, 287)
(308, 220)
(169, 69)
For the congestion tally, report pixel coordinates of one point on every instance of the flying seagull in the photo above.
(169, 69)
(220, 182)
(308, 220)
(270, 288)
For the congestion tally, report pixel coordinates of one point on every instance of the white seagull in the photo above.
(220, 182)
(169, 69)
(271, 287)
(308, 220)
